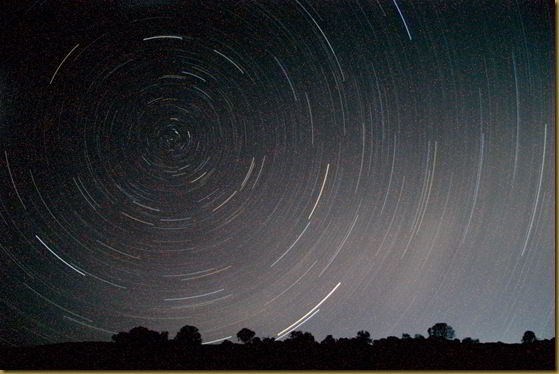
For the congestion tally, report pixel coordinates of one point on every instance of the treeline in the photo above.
(145, 349)
(190, 336)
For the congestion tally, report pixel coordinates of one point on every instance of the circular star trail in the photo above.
(326, 166)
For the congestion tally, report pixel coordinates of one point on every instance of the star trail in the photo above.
(331, 166)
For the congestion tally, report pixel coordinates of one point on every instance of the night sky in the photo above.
(326, 166)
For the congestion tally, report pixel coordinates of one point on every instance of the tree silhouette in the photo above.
(300, 337)
(245, 335)
(418, 337)
(268, 340)
(442, 331)
(529, 337)
(140, 336)
(363, 337)
(469, 340)
(189, 336)
(406, 336)
(343, 341)
(392, 339)
(328, 340)
(121, 338)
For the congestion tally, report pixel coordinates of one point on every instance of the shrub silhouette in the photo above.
(441, 331)
(363, 337)
(469, 340)
(328, 340)
(529, 337)
(189, 336)
(140, 336)
(343, 341)
(299, 337)
(268, 340)
(245, 335)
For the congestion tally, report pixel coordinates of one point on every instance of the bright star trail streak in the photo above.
(403, 19)
(310, 312)
(62, 63)
(320, 192)
(323, 166)
(58, 257)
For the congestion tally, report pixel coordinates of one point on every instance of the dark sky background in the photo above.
(328, 166)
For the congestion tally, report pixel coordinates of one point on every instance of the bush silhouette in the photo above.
(363, 337)
(140, 336)
(299, 337)
(392, 339)
(268, 340)
(189, 336)
(245, 335)
(469, 340)
(328, 340)
(529, 337)
(441, 331)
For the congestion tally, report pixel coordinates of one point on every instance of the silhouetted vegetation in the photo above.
(189, 336)
(245, 335)
(469, 340)
(529, 337)
(140, 336)
(364, 337)
(141, 348)
(300, 338)
(441, 331)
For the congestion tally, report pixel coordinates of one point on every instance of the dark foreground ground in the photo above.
(386, 355)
